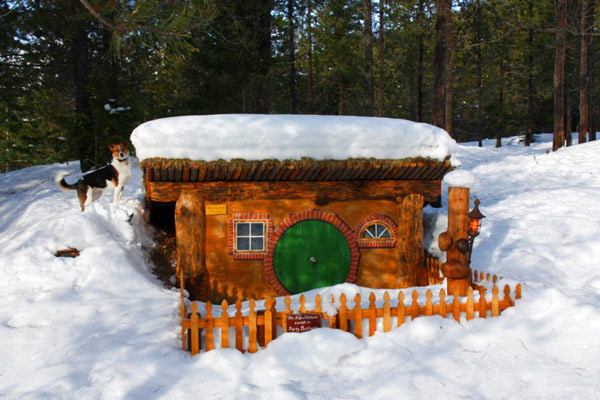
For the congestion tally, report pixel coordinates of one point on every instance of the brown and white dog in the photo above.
(92, 184)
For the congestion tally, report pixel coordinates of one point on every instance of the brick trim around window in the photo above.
(376, 243)
(248, 217)
(295, 218)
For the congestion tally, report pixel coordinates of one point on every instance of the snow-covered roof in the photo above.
(289, 137)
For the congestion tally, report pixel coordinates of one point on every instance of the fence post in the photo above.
(209, 334)
(194, 347)
(357, 316)
(443, 306)
(342, 314)
(252, 328)
(239, 326)
(495, 305)
(509, 301)
(224, 324)
(482, 303)
(318, 304)
(518, 291)
(415, 305)
(470, 304)
(428, 303)
(401, 309)
(286, 311)
(268, 321)
(372, 314)
(183, 330)
(302, 302)
(387, 318)
(456, 306)
(332, 318)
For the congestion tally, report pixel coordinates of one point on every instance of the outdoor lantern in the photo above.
(475, 217)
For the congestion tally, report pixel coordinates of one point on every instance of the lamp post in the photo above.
(475, 217)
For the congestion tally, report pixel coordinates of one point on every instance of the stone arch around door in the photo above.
(295, 219)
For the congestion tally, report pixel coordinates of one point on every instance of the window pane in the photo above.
(257, 243)
(243, 229)
(372, 231)
(243, 243)
(258, 229)
(383, 232)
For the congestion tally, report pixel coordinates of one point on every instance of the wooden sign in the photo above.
(216, 209)
(303, 322)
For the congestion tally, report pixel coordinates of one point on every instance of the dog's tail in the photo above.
(60, 181)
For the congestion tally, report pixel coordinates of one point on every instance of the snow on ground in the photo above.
(100, 326)
(289, 137)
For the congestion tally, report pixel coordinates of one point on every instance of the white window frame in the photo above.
(250, 236)
(379, 237)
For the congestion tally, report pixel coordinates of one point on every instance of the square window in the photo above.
(250, 236)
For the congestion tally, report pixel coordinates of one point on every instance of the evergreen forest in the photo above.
(76, 75)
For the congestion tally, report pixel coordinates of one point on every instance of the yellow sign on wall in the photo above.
(216, 209)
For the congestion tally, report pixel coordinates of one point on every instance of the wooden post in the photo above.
(268, 321)
(456, 268)
(239, 326)
(387, 320)
(410, 239)
(372, 314)
(415, 305)
(224, 325)
(252, 327)
(195, 334)
(443, 309)
(470, 304)
(357, 316)
(401, 309)
(208, 333)
(343, 314)
(482, 303)
(189, 234)
(429, 303)
(495, 302)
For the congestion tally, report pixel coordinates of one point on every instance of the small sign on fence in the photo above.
(303, 322)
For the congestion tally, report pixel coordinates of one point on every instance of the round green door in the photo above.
(311, 254)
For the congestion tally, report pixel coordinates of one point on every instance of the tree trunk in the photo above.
(479, 77)
(263, 46)
(82, 132)
(592, 106)
(449, 75)
(368, 47)
(420, 61)
(584, 71)
(559, 75)
(500, 126)
(381, 105)
(568, 121)
(292, 56)
(529, 133)
(439, 62)
(309, 88)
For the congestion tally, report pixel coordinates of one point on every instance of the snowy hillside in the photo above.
(101, 326)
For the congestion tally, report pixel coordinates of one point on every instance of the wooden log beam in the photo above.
(410, 239)
(456, 268)
(189, 228)
(321, 191)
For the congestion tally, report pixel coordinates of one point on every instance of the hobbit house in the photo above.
(269, 205)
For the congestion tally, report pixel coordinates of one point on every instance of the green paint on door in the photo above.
(311, 254)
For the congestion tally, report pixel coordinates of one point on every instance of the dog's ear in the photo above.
(124, 146)
(112, 146)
